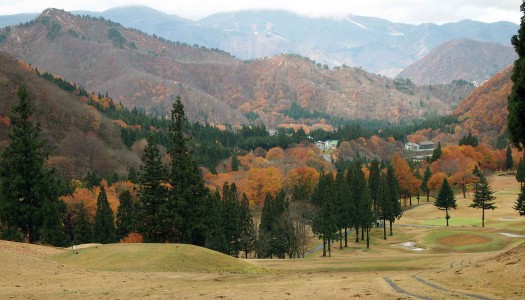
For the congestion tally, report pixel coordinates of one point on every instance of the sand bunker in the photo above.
(410, 246)
(512, 235)
(462, 240)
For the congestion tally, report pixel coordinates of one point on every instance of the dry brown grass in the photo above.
(26, 271)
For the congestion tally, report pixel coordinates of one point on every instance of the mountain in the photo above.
(78, 137)
(485, 112)
(464, 59)
(16, 19)
(146, 72)
(377, 45)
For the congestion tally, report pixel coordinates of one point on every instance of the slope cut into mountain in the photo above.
(77, 136)
(465, 59)
(485, 112)
(146, 72)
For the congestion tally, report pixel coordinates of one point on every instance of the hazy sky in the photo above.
(408, 11)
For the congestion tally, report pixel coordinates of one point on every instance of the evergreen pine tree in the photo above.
(126, 215)
(231, 218)
(235, 162)
(520, 174)
(265, 228)
(483, 197)
(436, 154)
(373, 182)
(83, 230)
(509, 163)
(516, 100)
(367, 213)
(424, 182)
(446, 199)
(393, 189)
(325, 222)
(384, 203)
(187, 197)
(152, 196)
(520, 202)
(247, 232)
(216, 239)
(29, 194)
(104, 229)
(132, 175)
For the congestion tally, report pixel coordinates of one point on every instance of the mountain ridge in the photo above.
(465, 59)
(146, 72)
(378, 45)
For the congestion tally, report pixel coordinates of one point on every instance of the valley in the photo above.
(260, 154)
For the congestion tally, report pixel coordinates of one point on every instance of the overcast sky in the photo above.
(407, 11)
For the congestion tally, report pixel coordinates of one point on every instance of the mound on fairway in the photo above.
(154, 258)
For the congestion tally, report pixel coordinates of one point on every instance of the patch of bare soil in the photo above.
(462, 239)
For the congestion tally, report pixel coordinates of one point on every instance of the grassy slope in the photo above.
(154, 258)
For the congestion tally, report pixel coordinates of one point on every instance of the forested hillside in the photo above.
(78, 137)
(462, 59)
(145, 72)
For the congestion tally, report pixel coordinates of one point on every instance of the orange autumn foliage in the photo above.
(435, 181)
(276, 153)
(408, 183)
(132, 237)
(89, 197)
(306, 176)
(260, 181)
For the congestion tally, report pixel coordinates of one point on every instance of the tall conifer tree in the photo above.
(104, 229)
(247, 229)
(393, 190)
(83, 231)
(126, 215)
(483, 197)
(516, 100)
(29, 194)
(188, 193)
(424, 182)
(153, 196)
(446, 199)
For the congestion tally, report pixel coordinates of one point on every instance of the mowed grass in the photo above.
(453, 221)
(464, 241)
(154, 258)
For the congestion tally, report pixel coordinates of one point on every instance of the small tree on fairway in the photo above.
(446, 199)
(520, 202)
(104, 229)
(483, 197)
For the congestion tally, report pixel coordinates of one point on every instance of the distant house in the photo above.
(412, 146)
(426, 145)
(272, 132)
(421, 157)
(331, 144)
(327, 145)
